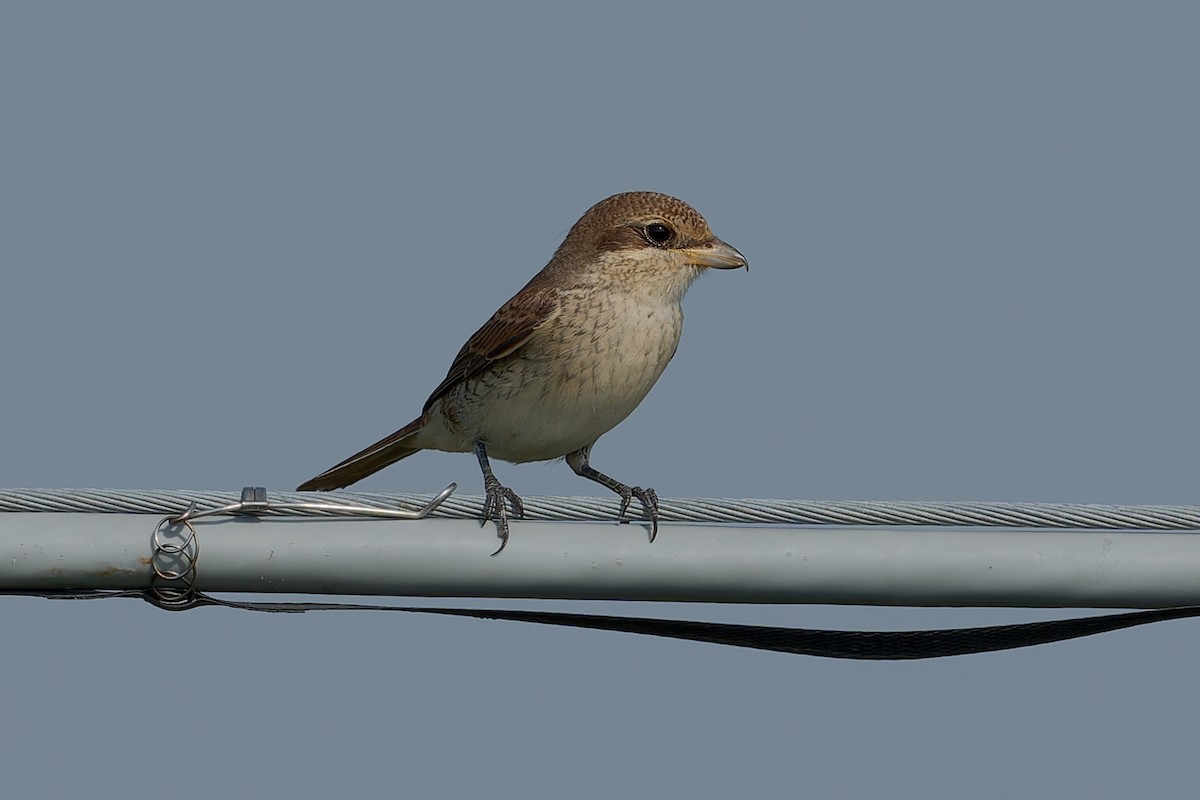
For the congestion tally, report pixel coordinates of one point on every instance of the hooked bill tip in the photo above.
(716, 255)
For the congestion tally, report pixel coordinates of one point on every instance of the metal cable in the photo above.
(604, 509)
(861, 645)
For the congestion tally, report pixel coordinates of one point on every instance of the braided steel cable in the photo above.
(735, 511)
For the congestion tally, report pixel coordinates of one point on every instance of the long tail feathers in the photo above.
(367, 462)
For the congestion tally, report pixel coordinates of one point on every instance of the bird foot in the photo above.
(494, 507)
(649, 500)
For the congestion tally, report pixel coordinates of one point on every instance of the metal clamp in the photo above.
(176, 555)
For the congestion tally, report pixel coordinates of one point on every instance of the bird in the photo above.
(568, 357)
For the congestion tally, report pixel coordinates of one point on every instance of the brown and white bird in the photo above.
(569, 356)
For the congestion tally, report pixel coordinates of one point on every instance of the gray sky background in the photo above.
(241, 241)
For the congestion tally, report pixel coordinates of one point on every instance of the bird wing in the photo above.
(504, 334)
(501, 336)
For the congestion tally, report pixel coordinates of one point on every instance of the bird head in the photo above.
(646, 239)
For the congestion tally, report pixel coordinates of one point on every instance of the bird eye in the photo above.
(658, 233)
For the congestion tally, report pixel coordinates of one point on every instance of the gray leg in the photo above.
(578, 461)
(496, 495)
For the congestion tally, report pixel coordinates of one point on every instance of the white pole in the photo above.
(708, 563)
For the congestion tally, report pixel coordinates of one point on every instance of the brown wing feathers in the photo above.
(500, 337)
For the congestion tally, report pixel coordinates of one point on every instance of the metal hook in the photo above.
(254, 502)
(351, 510)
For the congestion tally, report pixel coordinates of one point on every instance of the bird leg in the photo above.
(578, 461)
(496, 495)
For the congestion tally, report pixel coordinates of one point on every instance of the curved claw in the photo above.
(495, 506)
(649, 499)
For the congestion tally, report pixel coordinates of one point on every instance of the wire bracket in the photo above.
(176, 547)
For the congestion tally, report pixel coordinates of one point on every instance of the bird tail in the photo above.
(367, 462)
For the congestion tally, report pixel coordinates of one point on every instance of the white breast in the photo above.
(570, 384)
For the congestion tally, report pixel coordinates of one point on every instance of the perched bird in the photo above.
(568, 357)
